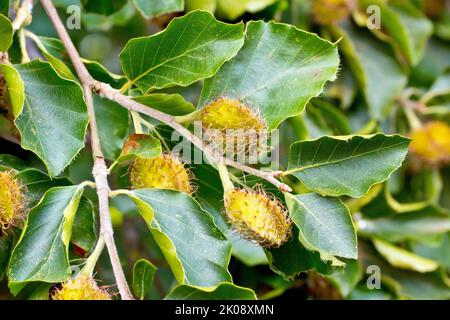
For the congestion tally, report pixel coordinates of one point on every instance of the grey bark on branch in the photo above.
(100, 171)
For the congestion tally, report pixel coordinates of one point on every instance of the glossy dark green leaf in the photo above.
(42, 292)
(37, 183)
(325, 226)
(54, 119)
(191, 48)
(292, 258)
(143, 274)
(379, 75)
(4, 7)
(84, 233)
(5, 251)
(347, 165)
(279, 69)
(223, 291)
(6, 33)
(152, 8)
(194, 247)
(42, 251)
(8, 161)
(113, 122)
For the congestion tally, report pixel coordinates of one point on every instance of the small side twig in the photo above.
(23, 15)
(106, 91)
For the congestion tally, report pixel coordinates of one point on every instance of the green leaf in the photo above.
(195, 249)
(4, 7)
(55, 48)
(140, 145)
(346, 165)
(379, 75)
(152, 8)
(333, 117)
(83, 230)
(113, 122)
(223, 291)
(37, 183)
(173, 104)
(54, 119)
(404, 259)
(275, 61)
(42, 251)
(411, 225)
(345, 280)
(41, 292)
(191, 48)
(56, 63)
(143, 274)
(102, 22)
(6, 33)
(8, 161)
(5, 251)
(15, 87)
(325, 226)
(406, 27)
(292, 258)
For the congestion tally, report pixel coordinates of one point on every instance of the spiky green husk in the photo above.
(163, 172)
(12, 201)
(258, 217)
(81, 288)
(232, 127)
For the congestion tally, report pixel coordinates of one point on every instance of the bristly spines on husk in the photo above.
(327, 12)
(12, 201)
(431, 143)
(227, 113)
(81, 288)
(232, 126)
(163, 172)
(258, 217)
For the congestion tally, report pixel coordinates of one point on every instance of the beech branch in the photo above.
(100, 171)
(106, 91)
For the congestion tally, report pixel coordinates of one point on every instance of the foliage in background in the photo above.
(364, 121)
